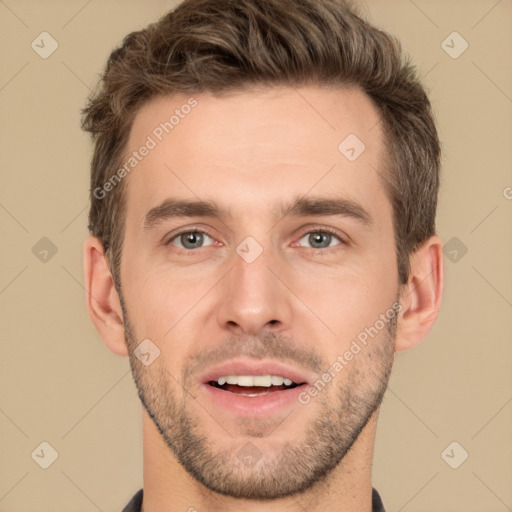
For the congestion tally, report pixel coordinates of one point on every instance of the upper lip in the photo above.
(260, 367)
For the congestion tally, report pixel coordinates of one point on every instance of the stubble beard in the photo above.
(341, 413)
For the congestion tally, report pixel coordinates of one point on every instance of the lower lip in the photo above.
(250, 406)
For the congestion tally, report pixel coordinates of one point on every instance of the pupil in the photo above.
(192, 238)
(317, 238)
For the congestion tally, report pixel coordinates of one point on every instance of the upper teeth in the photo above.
(254, 380)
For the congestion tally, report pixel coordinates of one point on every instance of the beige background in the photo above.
(58, 382)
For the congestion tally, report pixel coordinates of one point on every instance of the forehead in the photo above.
(246, 149)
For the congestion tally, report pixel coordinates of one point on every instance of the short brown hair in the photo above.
(217, 46)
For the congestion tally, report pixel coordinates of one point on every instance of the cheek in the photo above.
(346, 301)
(160, 297)
(170, 309)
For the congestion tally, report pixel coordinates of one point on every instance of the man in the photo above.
(264, 189)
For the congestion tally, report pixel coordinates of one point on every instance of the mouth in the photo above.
(254, 385)
(245, 388)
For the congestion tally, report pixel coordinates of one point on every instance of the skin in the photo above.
(297, 302)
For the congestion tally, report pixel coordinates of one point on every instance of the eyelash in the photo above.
(311, 231)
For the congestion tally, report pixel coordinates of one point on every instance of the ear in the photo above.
(422, 295)
(102, 298)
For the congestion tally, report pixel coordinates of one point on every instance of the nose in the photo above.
(253, 298)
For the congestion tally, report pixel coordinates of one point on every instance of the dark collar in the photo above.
(135, 503)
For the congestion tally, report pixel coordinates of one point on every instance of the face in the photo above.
(259, 258)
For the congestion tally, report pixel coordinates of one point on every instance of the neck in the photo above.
(169, 488)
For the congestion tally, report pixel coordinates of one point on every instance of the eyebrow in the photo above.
(299, 207)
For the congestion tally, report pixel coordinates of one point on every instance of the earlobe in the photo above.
(102, 298)
(422, 296)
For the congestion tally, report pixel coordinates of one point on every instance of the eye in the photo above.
(189, 240)
(321, 238)
(195, 239)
